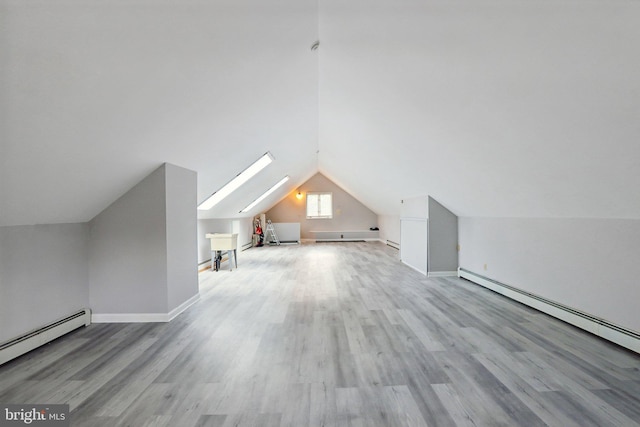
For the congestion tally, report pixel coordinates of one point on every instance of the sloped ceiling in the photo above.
(96, 95)
(494, 108)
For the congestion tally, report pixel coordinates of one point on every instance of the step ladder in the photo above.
(271, 230)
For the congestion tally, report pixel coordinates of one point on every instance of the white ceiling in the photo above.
(495, 108)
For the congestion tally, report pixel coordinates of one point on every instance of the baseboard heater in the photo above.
(340, 241)
(393, 244)
(595, 325)
(25, 343)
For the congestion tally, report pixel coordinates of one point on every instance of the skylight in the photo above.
(266, 193)
(236, 182)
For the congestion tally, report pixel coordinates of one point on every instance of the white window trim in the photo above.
(314, 193)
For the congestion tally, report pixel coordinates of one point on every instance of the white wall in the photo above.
(143, 250)
(414, 233)
(415, 207)
(389, 228)
(182, 251)
(587, 264)
(137, 256)
(128, 253)
(414, 244)
(244, 228)
(348, 213)
(44, 275)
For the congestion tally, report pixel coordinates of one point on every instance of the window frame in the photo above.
(318, 194)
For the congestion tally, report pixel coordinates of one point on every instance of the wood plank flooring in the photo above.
(334, 334)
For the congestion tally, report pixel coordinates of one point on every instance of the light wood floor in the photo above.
(334, 334)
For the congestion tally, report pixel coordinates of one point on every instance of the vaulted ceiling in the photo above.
(495, 108)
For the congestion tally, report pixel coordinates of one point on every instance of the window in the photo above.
(319, 205)
(236, 182)
(265, 194)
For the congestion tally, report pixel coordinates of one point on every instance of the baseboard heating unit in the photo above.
(393, 244)
(340, 241)
(25, 343)
(595, 325)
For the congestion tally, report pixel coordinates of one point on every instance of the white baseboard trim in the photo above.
(143, 317)
(443, 274)
(129, 317)
(604, 329)
(182, 307)
(414, 268)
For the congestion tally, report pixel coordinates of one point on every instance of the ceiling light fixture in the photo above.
(266, 193)
(236, 182)
(299, 195)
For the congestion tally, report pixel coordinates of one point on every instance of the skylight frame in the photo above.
(265, 194)
(236, 182)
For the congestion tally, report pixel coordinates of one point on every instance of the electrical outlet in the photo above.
(458, 248)
(485, 267)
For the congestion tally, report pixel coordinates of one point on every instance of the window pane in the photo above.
(319, 205)
(325, 205)
(312, 205)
